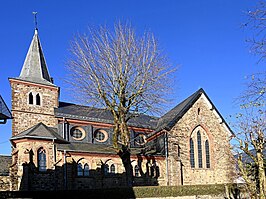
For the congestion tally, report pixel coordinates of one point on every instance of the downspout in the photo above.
(166, 157)
(64, 134)
(54, 153)
(65, 171)
(54, 157)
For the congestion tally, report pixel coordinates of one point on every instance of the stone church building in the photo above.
(58, 145)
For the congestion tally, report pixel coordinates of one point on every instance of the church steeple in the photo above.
(34, 68)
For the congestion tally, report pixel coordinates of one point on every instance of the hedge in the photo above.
(135, 192)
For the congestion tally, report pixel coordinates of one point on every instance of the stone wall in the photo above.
(5, 183)
(200, 117)
(62, 171)
(26, 115)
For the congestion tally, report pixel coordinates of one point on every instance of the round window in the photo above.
(77, 133)
(101, 135)
(141, 139)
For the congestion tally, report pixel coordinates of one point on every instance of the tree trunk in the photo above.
(124, 154)
(261, 175)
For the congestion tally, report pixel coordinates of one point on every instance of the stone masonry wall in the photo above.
(26, 115)
(5, 183)
(29, 178)
(200, 117)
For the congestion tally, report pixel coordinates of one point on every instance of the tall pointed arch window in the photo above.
(207, 151)
(79, 170)
(86, 170)
(199, 149)
(112, 169)
(192, 158)
(30, 98)
(106, 169)
(41, 159)
(38, 99)
(136, 170)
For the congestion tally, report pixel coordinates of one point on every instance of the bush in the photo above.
(185, 190)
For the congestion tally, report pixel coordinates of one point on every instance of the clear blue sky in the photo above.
(204, 37)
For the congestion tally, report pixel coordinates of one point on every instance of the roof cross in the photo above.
(35, 20)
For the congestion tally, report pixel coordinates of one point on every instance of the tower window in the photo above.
(38, 99)
(30, 98)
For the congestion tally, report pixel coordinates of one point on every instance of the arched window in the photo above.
(152, 170)
(207, 151)
(199, 149)
(192, 159)
(38, 99)
(41, 159)
(112, 169)
(30, 98)
(136, 170)
(86, 170)
(79, 170)
(106, 169)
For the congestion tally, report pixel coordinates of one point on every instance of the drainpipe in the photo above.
(166, 156)
(64, 134)
(54, 152)
(65, 171)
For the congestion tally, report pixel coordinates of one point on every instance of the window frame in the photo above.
(79, 129)
(192, 153)
(38, 99)
(31, 99)
(200, 161)
(42, 160)
(86, 170)
(80, 172)
(103, 132)
(207, 154)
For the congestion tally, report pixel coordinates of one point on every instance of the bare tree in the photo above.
(251, 141)
(251, 123)
(256, 23)
(251, 136)
(122, 72)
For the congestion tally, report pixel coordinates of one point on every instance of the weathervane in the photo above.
(35, 20)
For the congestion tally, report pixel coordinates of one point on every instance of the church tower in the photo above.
(34, 95)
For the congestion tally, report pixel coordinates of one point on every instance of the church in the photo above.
(63, 146)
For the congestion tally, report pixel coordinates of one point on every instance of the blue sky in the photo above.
(204, 38)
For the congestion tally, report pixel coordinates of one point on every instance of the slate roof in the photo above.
(4, 111)
(73, 111)
(168, 120)
(92, 148)
(34, 68)
(5, 162)
(40, 131)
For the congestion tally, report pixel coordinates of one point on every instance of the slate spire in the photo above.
(34, 68)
